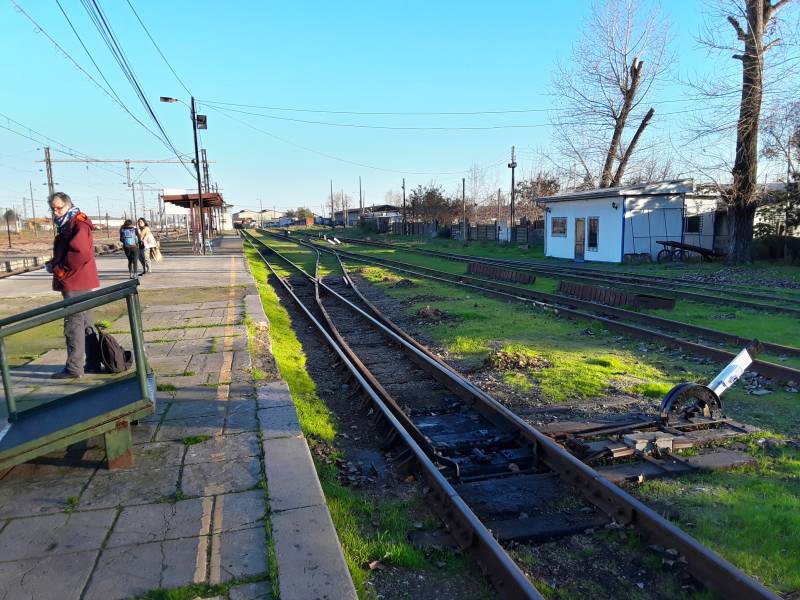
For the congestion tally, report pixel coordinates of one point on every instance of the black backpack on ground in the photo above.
(94, 361)
(115, 358)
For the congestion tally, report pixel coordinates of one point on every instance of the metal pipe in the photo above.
(61, 312)
(7, 387)
(134, 318)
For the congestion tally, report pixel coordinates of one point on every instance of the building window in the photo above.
(559, 226)
(594, 232)
(693, 224)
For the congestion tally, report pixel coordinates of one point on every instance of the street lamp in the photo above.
(195, 116)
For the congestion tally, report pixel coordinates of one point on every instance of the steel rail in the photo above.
(465, 527)
(549, 271)
(613, 275)
(707, 566)
(561, 304)
(589, 271)
(712, 334)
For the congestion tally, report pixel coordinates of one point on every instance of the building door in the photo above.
(580, 239)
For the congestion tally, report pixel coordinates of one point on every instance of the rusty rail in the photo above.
(707, 566)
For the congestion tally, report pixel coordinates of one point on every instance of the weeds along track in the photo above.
(493, 478)
(690, 338)
(666, 286)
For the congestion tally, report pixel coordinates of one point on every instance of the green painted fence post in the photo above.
(135, 320)
(7, 387)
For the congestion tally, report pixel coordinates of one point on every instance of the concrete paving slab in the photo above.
(238, 554)
(54, 534)
(254, 308)
(57, 577)
(261, 590)
(158, 522)
(210, 409)
(144, 431)
(127, 487)
(129, 571)
(158, 454)
(274, 394)
(183, 428)
(57, 465)
(205, 479)
(291, 477)
(239, 511)
(241, 417)
(310, 560)
(223, 447)
(37, 497)
(278, 422)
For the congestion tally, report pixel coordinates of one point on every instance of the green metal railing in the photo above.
(58, 310)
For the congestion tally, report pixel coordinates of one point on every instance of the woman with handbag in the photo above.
(146, 244)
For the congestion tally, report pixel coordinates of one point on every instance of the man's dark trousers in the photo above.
(75, 334)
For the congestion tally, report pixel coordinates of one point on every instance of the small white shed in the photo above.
(607, 224)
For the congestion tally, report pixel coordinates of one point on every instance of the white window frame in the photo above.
(699, 224)
(589, 248)
(553, 224)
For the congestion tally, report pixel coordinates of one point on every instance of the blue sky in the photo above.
(337, 56)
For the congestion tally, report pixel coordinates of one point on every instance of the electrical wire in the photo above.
(106, 32)
(77, 65)
(331, 156)
(138, 18)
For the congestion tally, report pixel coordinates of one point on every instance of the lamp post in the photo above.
(196, 168)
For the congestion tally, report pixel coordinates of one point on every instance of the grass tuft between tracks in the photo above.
(369, 528)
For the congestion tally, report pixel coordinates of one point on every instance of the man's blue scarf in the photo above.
(62, 222)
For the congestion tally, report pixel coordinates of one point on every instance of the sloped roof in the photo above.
(675, 186)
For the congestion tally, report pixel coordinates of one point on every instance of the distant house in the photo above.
(607, 224)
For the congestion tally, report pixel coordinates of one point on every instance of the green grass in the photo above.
(777, 328)
(195, 439)
(750, 515)
(72, 504)
(580, 364)
(369, 528)
(651, 390)
(199, 590)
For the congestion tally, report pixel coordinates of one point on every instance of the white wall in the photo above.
(609, 241)
(650, 219)
(706, 208)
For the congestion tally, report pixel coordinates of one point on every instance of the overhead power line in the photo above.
(331, 156)
(138, 18)
(106, 32)
(77, 65)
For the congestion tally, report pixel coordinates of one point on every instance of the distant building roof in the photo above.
(675, 186)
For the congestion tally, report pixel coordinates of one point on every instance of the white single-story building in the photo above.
(607, 224)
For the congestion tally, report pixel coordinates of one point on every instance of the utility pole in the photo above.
(333, 223)
(464, 208)
(33, 210)
(141, 195)
(199, 183)
(133, 189)
(405, 225)
(512, 165)
(360, 198)
(261, 213)
(49, 168)
(8, 227)
(498, 214)
(344, 209)
(205, 171)
(99, 217)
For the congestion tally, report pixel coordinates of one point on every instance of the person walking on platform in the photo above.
(74, 273)
(129, 236)
(147, 241)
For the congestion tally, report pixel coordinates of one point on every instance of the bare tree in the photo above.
(755, 28)
(622, 54)
(781, 140)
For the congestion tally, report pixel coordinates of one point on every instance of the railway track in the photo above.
(493, 476)
(649, 285)
(631, 323)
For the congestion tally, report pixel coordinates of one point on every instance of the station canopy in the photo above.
(210, 199)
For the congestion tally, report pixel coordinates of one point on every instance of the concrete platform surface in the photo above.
(194, 509)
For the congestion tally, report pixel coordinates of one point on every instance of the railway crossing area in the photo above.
(222, 493)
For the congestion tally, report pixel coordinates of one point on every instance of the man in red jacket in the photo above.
(74, 273)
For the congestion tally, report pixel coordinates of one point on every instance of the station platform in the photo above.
(223, 494)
